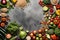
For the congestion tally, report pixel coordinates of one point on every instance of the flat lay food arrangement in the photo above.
(13, 31)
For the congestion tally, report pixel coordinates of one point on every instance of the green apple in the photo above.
(22, 34)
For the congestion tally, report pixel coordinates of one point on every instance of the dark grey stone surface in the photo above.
(30, 17)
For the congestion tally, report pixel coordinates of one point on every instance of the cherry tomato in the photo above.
(57, 17)
(51, 19)
(3, 2)
(35, 32)
(59, 25)
(31, 34)
(56, 22)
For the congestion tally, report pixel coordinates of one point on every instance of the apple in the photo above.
(22, 34)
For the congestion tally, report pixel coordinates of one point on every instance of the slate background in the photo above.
(30, 17)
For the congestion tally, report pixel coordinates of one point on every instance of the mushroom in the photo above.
(54, 2)
(3, 14)
(4, 10)
(21, 3)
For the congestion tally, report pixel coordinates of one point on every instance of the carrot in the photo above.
(4, 19)
(8, 36)
(2, 24)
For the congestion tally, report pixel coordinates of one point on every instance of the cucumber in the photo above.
(2, 37)
(45, 8)
(2, 29)
(3, 33)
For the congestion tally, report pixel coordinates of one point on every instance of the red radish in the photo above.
(3, 2)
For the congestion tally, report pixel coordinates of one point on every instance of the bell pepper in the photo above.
(13, 1)
(54, 37)
(58, 12)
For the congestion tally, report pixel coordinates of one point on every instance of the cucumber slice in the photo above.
(45, 8)
(48, 36)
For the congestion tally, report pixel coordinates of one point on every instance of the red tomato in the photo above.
(54, 37)
(58, 6)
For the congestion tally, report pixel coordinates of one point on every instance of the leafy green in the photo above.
(22, 34)
(12, 28)
(28, 1)
(46, 1)
(57, 31)
(50, 31)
